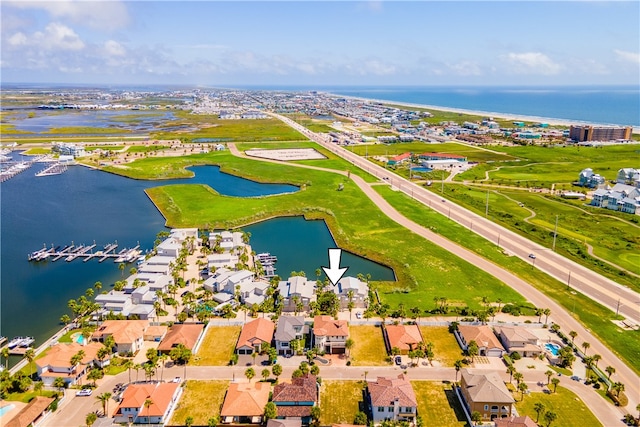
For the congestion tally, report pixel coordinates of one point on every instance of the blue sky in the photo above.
(321, 43)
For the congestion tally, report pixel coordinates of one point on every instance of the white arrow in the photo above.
(334, 272)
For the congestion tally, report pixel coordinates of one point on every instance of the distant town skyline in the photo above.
(310, 43)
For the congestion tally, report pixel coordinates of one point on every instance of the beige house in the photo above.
(486, 394)
(520, 340)
(127, 334)
(392, 399)
(330, 335)
(488, 343)
(57, 362)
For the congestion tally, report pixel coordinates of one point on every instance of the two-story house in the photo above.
(147, 403)
(296, 292)
(486, 394)
(520, 340)
(290, 328)
(57, 362)
(295, 399)
(330, 335)
(244, 403)
(127, 334)
(350, 289)
(392, 399)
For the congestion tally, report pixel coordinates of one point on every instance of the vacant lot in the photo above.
(571, 411)
(368, 349)
(340, 401)
(445, 346)
(201, 400)
(438, 404)
(473, 154)
(217, 347)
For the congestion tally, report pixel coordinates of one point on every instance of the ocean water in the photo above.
(617, 105)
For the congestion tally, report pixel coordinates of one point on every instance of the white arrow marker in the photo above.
(334, 272)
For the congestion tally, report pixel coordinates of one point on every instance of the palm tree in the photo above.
(518, 377)
(610, 370)
(596, 359)
(147, 404)
(91, 418)
(476, 417)
(348, 345)
(472, 349)
(104, 399)
(59, 383)
(249, 373)
(549, 374)
(539, 408)
(511, 370)
(555, 381)
(618, 388)
(539, 313)
(573, 335)
(458, 365)
(5, 354)
(265, 374)
(550, 417)
(128, 364)
(30, 354)
(547, 313)
(38, 386)
(522, 387)
(585, 345)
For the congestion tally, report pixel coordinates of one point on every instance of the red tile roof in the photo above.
(327, 326)
(159, 393)
(256, 332)
(186, 334)
(404, 337)
(303, 389)
(123, 331)
(246, 399)
(31, 412)
(59, 355)
(386, 390)
(402, 156)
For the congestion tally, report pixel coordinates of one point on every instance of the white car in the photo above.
(176, 380)
(84, 392)
(358, 315)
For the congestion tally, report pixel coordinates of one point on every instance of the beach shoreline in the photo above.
(504, 116)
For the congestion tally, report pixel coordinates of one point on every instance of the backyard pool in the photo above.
(6, 409)
(552, 348)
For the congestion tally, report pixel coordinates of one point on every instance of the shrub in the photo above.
(515, 355)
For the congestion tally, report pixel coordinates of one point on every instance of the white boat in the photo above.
(15, 342)
(26, 342)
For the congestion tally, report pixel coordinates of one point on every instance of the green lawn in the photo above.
(201, 400)
(28, 396)
(438, 405)
(368, 349)
(473, 154)
(340, 401)
(445, 347)
(145, 148)
(217, 347)
(571, 411)
(594, 316)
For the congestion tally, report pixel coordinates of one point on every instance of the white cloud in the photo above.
(632, 57)
(104, 15)
(465, 68)
(55, 37)
(113, 48)
(531, 63)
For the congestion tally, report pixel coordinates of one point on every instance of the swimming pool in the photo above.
(421, 169)
(6, 409)
(552, 348)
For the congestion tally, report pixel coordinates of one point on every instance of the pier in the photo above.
(85, 252)
(267, 261)
(54, 169)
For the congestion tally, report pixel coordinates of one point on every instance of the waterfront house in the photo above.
(294, 400)
(169, 247)
(392, 399)
(186, 334)
(330, 335)
(57, 362)
(289, 328)
(224, 259)
(297, 293)
(403, 337)
(520, 340)
(132, 408)
(244, 403)
(127, 334)
(350, 289)
(227, 241)
(486, 394)
(32, 414)
(254, 334)
(488, 343)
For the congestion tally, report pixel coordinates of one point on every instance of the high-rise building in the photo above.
(582, 133)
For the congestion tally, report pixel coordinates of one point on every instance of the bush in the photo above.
(515, 355)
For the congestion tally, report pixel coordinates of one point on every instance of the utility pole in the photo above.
(498, 239)
(569, 280)
(555, 233)
(618, 307)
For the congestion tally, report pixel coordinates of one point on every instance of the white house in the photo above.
(132, 408)
(296, 290)
(351, 289)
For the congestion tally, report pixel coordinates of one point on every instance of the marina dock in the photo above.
(54, 169)
(267, 261)
(85, 252)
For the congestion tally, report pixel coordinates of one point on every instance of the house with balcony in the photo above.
(297, 293)
(486, 394)
(290, 328)
(133, 410)
(350, 289)
(127, 334)
(392, 399)
(330, 335)
(57, 362)
(294, 400)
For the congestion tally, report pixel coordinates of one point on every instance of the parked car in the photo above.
(84, 392)
(398, 360)
(358, 315)
(176, 380)
(576, 378)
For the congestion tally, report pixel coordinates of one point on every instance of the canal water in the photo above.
(83, 205)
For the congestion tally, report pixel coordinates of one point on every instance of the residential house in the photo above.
(186, 334)
(254, 334)
(32, 414)
(397, 160)
(155, 333)
(486, 394)
(293, 422)
(227, 241)
(392, 399)
(589, 179)
(488, 343)
(147, 403)
(127, 334)
(57, 362)
(297, 293)
(224, 259)
(622, 197)
(244, 403)
(295, 399)
(330, 335)
(403, 337)
(520, 340)
(290, 328)
(629, 176)
(350, 289)
(515, 422)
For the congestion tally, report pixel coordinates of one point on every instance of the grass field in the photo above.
(368, 349)
(615, 238)
(438, 405)
(217, 347)
(473, 154)
(571, 411)
(446, 348)
(145, 148)
(594, 316)
(81, 130)
(340, 401)
(201, 400)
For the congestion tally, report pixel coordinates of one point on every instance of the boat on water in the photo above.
(17, 342)
(3, 340)
(26, 342)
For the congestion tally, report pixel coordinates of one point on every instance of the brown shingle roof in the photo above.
(256, 332)
(31, 412)
(482, 335)
(327, 326)
(303, 389)
(245, 399)
(186, 334)
(294, 411)
(485, 387)
(405, 337)
(386, 390)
